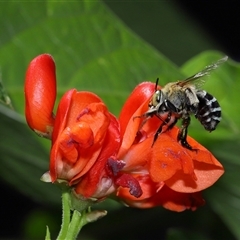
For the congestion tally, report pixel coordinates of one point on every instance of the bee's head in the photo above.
(156, 99)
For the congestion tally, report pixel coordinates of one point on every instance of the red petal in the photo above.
(78, 136)
(80, 101)
(98, 120)
(179, 202)
(62, 113)
(131, 183)
(206, 174)
(139, 95)
(138, 156)
(131, 116)
(40, 93)
(169, 199)
(61, 117)
(168, 157)
(91, 182)
(207, 169)
(76, 108)
(149, 188)
(71, 105)
(132, 129)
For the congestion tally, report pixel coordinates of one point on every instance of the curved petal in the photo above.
(92, 125)
(40, 94)
(131, 117)
(170, 200)
(62, 113)
(80, 101)
(168, 157)
(56, 163)
(179, 202)
(207, 169)
(139, 95)
(138, 156)
(91, 183)
(132, 129)
(97, 118)
(148, 187)
(70, 108)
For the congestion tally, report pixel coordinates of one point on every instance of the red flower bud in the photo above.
(40, 94)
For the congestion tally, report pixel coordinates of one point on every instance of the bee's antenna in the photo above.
(156, 84)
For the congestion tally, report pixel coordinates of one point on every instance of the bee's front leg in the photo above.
(182, 134)
(157, 133)
(145, 117)
(165, 122)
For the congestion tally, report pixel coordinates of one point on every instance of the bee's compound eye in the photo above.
(156, 98)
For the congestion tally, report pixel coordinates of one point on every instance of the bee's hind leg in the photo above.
(182, 134)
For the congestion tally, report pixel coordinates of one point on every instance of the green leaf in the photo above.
(93, 51)
(23, 160)
(220, 84)
(224, 197)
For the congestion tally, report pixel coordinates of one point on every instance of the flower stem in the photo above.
(66, 214)
(81, 215)
(77, 222)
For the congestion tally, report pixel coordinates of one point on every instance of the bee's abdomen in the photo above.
(209, 110)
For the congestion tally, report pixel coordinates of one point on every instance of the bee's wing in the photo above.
(197, 79)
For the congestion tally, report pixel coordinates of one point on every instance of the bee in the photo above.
(179, 100)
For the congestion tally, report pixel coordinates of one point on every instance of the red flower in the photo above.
(84, 133)
(166, 174)
(97, 156)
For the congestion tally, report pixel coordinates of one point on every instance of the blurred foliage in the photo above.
(166, 26)
(95, 51)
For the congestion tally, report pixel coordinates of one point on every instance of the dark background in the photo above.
(217, 22)
(220, 19)
(215, 25)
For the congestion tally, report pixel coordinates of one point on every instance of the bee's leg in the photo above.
(182, 135)
(146, 116)
(165, 122)
(157, 133)
(173, 123)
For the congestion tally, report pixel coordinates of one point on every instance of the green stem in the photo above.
(77, 222)
(66, 214)
(73, 223)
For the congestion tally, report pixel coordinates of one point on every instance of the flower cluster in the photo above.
(99, 155)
